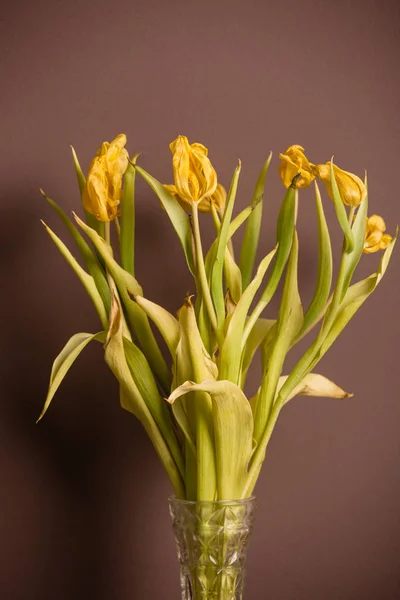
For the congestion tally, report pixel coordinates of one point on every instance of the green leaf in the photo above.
(233, 277)
(127, 219)
(147, 386)
(65, 360)
(233, 427)
(90, 219)
(284, 235)
(138, 321)
(131, 398)
(166, 323)
(216, 283)
(176, 213)
(341, 213)
(254, 341)
(358, 230)
(289, 322)
(355, 297)
(230, 355)
(252, 232)
(90, 260)
(86, 279)
(324, 279)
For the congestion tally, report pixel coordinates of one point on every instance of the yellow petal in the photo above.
(294, 162)
(352, 189)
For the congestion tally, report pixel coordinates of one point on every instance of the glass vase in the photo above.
(212, 540)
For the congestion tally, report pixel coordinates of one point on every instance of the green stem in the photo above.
(201, 271)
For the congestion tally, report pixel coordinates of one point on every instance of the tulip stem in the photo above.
(201, 270)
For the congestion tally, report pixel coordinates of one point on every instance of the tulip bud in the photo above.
(375, 238)
(194, 176)
(351, 188)
(294, 162)
(102, 192)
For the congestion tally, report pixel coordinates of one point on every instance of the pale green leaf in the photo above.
(65, 360)
(341, 213)
(166, 323)
(127, 220)
(132, 400)
(176, 213)
(137, 318)
(89, 258)
(86, 279)
(233, 427)
(253, 225)
(314, 384)
(230, 355)
(216, 283)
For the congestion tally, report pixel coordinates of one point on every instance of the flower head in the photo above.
(294, 162)
(195, 178)
(102, 192)
(351, 188)
(375, 236)
(217, 199)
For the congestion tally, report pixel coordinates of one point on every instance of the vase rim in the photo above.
(222, 502)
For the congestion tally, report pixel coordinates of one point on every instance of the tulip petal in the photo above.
(90, 219)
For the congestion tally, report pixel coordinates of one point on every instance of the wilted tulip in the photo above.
(351, 188)
(295, 162)
(102, 192)
(195, 178)
(375, 236)
(217, 199)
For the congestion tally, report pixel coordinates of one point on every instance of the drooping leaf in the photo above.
(176, 213)
(314, 384)
(233, 426)
(253, 225)
(89, 258)
(233, 277)
(86, 279)
(65, 360)
(132, 400)
(166, 323)
(137, 318)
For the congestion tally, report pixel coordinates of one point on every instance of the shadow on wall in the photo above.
(65, 477)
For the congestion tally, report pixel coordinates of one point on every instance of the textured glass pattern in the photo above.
(212, 539)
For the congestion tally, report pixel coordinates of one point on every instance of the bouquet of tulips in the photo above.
(210, 437)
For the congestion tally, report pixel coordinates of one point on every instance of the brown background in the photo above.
(83, 499)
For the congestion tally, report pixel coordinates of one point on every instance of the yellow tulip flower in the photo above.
(294, 162)
(375, 236)
(102, 192)
(217, 199)
(352, 189)
(195, 178)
